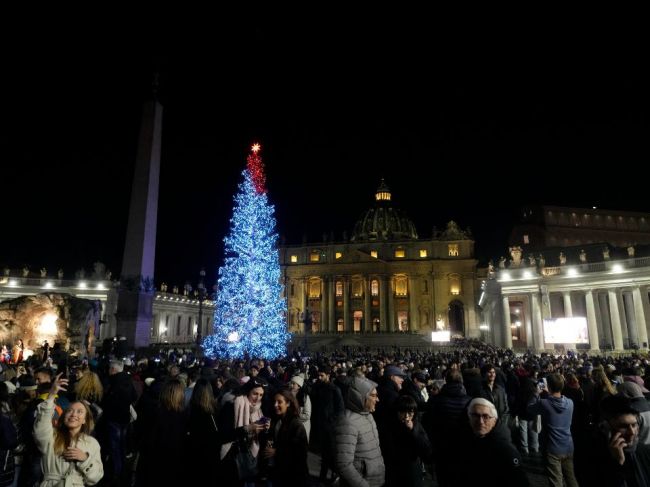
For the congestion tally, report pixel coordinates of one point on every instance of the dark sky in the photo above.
(465, 124)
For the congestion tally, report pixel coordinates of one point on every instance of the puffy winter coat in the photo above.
(358, 457)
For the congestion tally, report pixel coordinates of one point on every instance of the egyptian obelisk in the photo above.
(136, 292)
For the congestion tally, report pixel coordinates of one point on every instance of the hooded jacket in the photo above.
(358, 457)
(557, 413)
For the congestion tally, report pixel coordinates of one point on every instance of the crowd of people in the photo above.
(469, 415)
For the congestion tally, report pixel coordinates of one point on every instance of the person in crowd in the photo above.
(296, 384)
(241, 426)
(495, 393)
(640, 404)
(287, 453)
(388, 390)
(490, 458)
(161, 456)
(358, 455)
(71, 456)
(43, 377)
(416, 388)
(88, 386)
(327, 407)
(527, 423)
(409, 446)
(203, 439)
(116, 404)
(8, 439)
(556, 411)
(602, 388)
(444, 418)
(617, 457)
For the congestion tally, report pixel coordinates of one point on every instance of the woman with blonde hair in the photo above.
(88, 386)
(71, 457)
(602, 388)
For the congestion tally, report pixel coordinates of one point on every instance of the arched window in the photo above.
(339, 325)
(339, 288)
(374, 287)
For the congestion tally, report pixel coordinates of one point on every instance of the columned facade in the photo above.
(607, 301)
(385, 279)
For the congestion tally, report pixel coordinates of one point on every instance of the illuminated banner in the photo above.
(440, 336)
(566, 330)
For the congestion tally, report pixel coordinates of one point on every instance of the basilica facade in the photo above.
(384, 279)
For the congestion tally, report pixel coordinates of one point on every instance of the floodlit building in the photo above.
(383, 280)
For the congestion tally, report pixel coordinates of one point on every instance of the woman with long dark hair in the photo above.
(70, 455)
(163, 447)
(241, 424)
(203, 440)
(287, 454)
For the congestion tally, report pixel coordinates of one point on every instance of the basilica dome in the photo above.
(383, 222)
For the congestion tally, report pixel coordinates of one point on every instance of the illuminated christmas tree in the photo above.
(250, 312)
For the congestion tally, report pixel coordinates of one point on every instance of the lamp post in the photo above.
(201, 296)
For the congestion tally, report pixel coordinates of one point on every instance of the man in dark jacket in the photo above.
(327, 406)
(118, 398)
(494, 393)
(617, 458)
(488, 448)
(442, 421)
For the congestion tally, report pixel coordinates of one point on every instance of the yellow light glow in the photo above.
(373, 253)
(47, 326)
(256, 148)
(294, 259)
(338, 255)
(399, 254)
(423, 252)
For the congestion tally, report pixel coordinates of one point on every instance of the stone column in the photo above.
(303, 304)
(538, 323)
(632, 325)
(324, 306)
(413, 291)
(391, 304)
(347, 322)
(592, 321)
(507, 330)
(615, 316)
(367, 308)
(331, 303)
(383, 304)
(639, 314)
(568, 309)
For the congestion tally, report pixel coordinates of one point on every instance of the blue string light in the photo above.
(250, 315)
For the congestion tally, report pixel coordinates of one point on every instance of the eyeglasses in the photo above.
(479, 417)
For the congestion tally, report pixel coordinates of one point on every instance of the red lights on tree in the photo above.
(255, 167)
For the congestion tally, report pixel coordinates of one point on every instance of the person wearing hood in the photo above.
(358, 456)
(638, 402)
(487, 447)
(556, 411)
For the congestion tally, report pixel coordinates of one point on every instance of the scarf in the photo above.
(245, 414)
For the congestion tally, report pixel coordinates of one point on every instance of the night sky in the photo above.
(463, 124)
